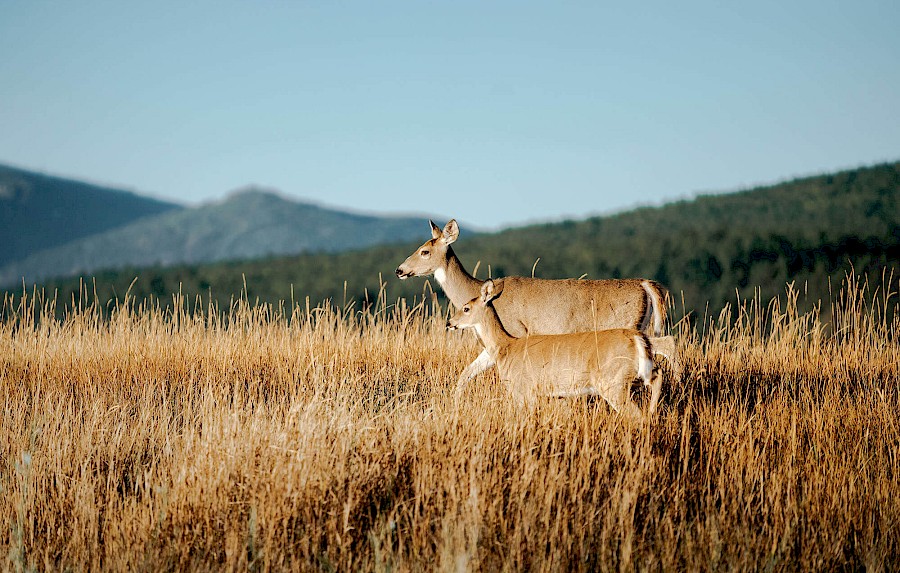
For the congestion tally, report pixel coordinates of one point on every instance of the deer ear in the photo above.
(496, 288)
(451, 231)
(487, 291)
(435, 230)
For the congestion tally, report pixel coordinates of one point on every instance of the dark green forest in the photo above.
(706, 250)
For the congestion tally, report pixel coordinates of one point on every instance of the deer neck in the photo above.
(492, 333)
(458, 284)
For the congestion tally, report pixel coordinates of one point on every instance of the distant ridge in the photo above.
(810, 230)
(248, 224)
(40, 211)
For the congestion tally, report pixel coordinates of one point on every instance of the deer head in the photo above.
(432, 256)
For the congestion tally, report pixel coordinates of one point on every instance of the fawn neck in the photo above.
(491, 331)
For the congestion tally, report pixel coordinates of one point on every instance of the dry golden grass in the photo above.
(323, 440)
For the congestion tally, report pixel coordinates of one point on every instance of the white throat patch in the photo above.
(440, 276)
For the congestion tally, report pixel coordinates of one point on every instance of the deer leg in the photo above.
(479, 365)
(655, 391)
(630, 410)
(617, 393)
(624, 406)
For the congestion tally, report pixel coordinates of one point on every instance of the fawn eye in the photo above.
(466, 309)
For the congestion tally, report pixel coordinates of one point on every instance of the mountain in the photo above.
(248, 224)
(707, 250)
(40, 211)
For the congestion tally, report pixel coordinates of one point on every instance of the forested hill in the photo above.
(805, 230)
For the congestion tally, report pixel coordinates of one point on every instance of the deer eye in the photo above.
(466, 309)
(425, 252)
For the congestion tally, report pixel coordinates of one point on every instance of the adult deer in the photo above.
(603, 362)
(540, 306)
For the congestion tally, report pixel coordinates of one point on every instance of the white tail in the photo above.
(601, 362)
(532, 306)
(642, 357)
(646, 371)
(655, 316)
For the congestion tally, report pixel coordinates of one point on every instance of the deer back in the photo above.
(540, 306)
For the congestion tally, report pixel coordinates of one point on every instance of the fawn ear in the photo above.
(451, 231)
(487, 291)
(490, 290)
(435, 230)
(498, 288)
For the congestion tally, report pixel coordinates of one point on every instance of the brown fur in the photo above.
(600, 362)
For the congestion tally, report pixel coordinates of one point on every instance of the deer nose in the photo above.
(399, 272)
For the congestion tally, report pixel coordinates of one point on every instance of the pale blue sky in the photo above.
(493, 112)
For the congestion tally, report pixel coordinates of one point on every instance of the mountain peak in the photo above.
(258, 196)
(254, 191)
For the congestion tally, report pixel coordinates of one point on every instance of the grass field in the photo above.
(320, 439)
